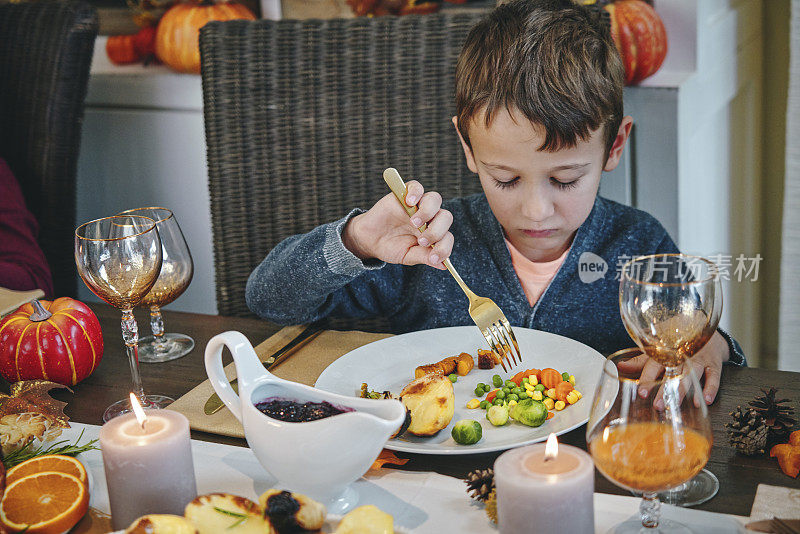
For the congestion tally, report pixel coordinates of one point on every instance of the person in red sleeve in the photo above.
(22, 262)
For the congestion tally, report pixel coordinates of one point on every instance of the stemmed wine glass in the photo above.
(176, 274)
(656, 436)
(119, 259)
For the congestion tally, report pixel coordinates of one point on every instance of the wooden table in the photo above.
(739, 476)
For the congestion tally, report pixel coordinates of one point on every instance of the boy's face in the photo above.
(540, 198)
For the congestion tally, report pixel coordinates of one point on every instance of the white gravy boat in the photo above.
(318, 458)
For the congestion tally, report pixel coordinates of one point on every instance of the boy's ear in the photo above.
(615, 154)
(467, 150)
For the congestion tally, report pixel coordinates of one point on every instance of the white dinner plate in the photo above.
(388, 364)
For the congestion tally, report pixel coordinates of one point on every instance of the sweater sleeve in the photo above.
(311, 276)
(736, 354)
(23, 265)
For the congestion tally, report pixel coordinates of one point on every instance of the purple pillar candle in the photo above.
(149, 468)
(545, 492)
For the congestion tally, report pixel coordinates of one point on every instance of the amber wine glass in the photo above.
(644, 446)
(119, 259)
(176, 274)
(671, 305)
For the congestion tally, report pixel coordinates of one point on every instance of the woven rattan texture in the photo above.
(302, 117)
(45, 53)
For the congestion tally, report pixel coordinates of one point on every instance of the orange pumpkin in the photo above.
(58, 341)
(178, 32)
(121, 50)
(640, 37)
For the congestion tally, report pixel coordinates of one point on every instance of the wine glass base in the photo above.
(173, 347)
(696, 491)
(123, 406)
(634, 526)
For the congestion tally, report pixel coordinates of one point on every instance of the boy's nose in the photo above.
(538, 208)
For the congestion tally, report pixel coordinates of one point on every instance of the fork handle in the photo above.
(398, 187)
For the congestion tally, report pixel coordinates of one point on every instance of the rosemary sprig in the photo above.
(70, 449)
(241, 517)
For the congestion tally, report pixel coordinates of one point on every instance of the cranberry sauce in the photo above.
(298, 412)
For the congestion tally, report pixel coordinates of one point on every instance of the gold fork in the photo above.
(487, 315)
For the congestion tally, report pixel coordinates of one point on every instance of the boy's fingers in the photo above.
(437, 228)
(635, 364)
(428, 206)
(711, 384)
(414, 192)
(649, 375)
(441, 250)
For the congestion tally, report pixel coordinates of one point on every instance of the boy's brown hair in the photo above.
(553, 61)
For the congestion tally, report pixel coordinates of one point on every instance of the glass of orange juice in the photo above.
(648, 438)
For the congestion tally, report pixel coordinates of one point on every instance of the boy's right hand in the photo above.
(387, 233)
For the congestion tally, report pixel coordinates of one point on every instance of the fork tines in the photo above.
(497, 335)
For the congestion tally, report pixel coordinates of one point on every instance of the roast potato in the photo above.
(221, 512)
(292, 512)
(366, 519)
(431, 401)
(161, 524)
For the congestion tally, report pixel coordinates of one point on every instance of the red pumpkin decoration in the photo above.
(640, 37)
(178, 32)
(58, 341)
(125, 49)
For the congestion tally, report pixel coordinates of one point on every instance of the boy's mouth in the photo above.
(539, 233)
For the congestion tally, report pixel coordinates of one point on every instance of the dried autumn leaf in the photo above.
(387, 457)
(32, 396)
(19, 429)
(788, 454)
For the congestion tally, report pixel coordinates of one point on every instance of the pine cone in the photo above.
(491, 506)
(480, 483)
(777, 415)
(748, 432)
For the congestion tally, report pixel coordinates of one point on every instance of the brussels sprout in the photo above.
(529, 412)
(467, 432)
(498, 415)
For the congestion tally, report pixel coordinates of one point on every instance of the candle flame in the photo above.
(551, 449)
(137, 410)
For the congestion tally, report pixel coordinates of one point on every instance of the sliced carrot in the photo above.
(550, 415)
(492, 394)
(562, 390)
(517, 378)
(550, 378)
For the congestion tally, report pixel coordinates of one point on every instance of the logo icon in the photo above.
(591, 267)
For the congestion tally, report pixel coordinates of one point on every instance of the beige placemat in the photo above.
(10, 300)
(775, 501)
(304, 366)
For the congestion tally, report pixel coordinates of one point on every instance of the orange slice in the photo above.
(44, 503)
(50, 462)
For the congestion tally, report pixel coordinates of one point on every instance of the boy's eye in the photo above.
(564, 185)
(505, 184)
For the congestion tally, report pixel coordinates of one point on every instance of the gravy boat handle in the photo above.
(248, 367)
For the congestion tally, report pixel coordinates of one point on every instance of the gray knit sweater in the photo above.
(312, 276)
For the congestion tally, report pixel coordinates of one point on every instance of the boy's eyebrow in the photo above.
(569, 167)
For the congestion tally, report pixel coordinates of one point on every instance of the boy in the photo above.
(539, 116)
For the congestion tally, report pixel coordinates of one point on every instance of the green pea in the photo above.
(487, 388)
(565, 376)
(497, 401)
(501, 394)
(506, 390)
(479, 392)
(484, 404)
(539, 387)
(511, 383)
(480, 385)
(453, 377)
(513, 397)
(525, 380)
(497, 381)
(522, 396)
(517, 390)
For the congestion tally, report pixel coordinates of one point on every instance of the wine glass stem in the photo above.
(130, 334)
(157, 327)
(650, 511)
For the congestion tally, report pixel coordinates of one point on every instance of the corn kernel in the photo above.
(572, 379)
(580, 395)
(551, 393)
(536, 395)
(474, 403)
(560, 405)
(533, 380)
(512, 403)
(572, 397)
(528, 387)
(548, 403)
